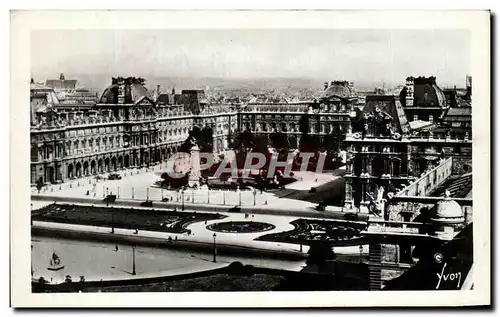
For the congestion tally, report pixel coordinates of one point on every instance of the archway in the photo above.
(145, 158)
(92, 167)
(78, 170)
(120, 161)
(106, 164)
(157, 156)
(85, 168)
(99, 166)
(49, 174)
(127, 161)
(113, 163)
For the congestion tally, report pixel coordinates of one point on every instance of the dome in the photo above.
(134, 92)
(447, 211)
(337, 89)
(426, 93)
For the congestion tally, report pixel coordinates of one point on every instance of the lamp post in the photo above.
(360, 253)
(147, 194)
(162, 193)
(112, 220)
(132, 192)
(239, 194)
(182, 193)
(223, 197)
(215, 248)
(208, 196)
(133, 259)
(118, 192)
(254, 196)
(32, 271)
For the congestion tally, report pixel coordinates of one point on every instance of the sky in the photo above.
(326, 54)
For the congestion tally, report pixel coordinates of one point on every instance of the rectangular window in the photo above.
(415, 118)
(396, 168)
(431, 118)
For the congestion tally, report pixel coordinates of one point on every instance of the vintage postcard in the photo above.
(250, 158)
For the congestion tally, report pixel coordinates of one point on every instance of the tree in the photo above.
(261, 144)
(279, 140)
(304, 124)
(244, 140)
(205, 140)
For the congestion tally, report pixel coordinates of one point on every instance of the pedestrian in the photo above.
(136, 231)
(116, 248)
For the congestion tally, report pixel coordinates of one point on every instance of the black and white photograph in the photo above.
(306, 160)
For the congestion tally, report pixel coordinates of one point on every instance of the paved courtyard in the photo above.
(139, 185)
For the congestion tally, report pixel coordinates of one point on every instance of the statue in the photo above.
(377, 206)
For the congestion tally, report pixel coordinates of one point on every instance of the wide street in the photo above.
(101, 261)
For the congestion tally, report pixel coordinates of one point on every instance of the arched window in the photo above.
(396, 167)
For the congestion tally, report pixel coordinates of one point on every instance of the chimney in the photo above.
(468, 85)
(121, 90)
(410, 83)
(158, 90)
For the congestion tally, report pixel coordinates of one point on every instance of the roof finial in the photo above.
(32, 81)
(447, 194)
(61, 77)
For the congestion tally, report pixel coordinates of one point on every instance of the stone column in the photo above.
(194, 175)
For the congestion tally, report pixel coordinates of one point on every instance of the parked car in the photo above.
(109, 199)
(235, 209)
(351, 216)
(114, 176)
(147, 203)
(321, 207)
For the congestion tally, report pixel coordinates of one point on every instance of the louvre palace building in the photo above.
(75, 133)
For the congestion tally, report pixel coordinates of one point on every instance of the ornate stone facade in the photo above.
(126, 128)
(317, 118)
(384, 150)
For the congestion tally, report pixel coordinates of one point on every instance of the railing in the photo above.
(381, 226)
(429, 180)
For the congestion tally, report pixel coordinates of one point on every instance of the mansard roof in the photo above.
(339, 89)
(426, 93)
(135, 91)
(391, 106)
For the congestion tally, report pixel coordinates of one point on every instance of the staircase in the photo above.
(458, 186)
(375, 266)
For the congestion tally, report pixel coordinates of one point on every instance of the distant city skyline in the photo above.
(365, 56)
